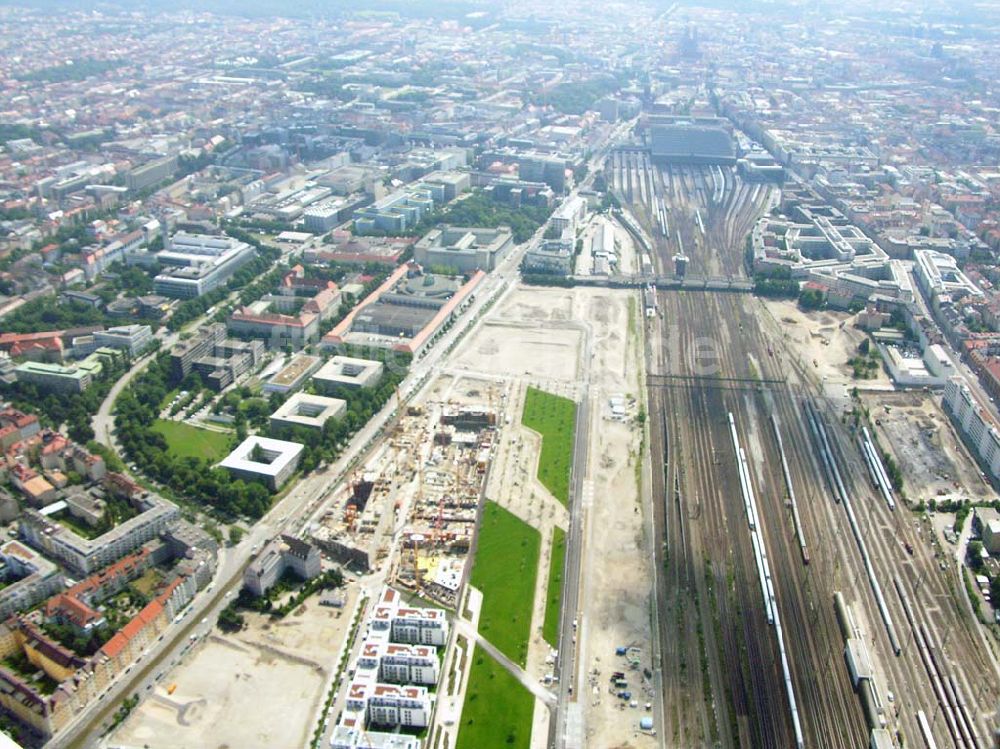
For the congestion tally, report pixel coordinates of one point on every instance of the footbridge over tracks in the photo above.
(666, 283)
(710, 381)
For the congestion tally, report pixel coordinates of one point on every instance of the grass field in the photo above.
(553, 417)
(188, 441)
(498, 710)
(553, 595)
(505, 570)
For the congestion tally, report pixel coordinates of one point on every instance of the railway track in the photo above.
(713, 629)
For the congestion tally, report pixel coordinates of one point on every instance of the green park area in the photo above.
(553, 595)
(185, 441)
(554, 418)
(498, 709)
(505, 571)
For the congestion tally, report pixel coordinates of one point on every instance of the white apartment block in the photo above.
(400, 664)
(397, 664)
(975, 423)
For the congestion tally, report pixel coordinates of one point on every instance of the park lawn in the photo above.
(186, 441)
(505, 571)
(553, 596)
(554, 418)
(498, 709)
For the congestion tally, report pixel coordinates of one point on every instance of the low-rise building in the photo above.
(134, 339)
(294, 375)
(292, 315)
(57, 378)
(264, 459)
(308, 411)
(550, 256)
(348, 372)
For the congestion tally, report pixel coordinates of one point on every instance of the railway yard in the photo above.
(766, 510)
(700, 212)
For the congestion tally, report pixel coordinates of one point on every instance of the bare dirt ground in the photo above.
(537, 327)
(824, 341)
(256, 688)
(617, 557)
(923, 441)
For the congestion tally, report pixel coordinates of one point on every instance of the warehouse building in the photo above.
(406, 312)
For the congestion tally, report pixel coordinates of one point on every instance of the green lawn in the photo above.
(187, 441)
(553, 596)
(498, 709)
(554, 418)
(505, 570)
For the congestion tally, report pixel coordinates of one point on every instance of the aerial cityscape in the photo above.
(480, 375)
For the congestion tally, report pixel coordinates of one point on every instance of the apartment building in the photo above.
(977, 426)
(85, 555)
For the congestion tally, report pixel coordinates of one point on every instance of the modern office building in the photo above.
(569, 213)
(131, 338)
(263, 459)
(462, 248)
(151, 173)
(308, 411)
(398, 212)
(939, 276)
(219, 360)
(195, 264)
(348, 372)
(542, 168)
